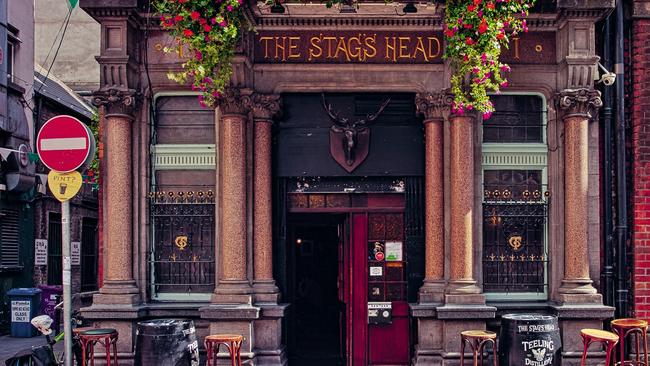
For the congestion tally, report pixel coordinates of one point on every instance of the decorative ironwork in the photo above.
(515, 212)
(345, 185)
(182, 255)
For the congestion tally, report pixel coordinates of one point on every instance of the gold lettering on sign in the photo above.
(515, 40)
(266, 45)
(403, 47)
(329, 46)
(341, 46)
(420, 47)
(181, 242)
(515, 242)
(370, 44)
(438, 48)
(315, 45)
(282, 47)
(293, 46)
(354, 51)
(391, 47)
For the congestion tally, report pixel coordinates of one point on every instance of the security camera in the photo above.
(608, 78)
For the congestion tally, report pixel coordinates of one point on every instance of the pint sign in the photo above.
(64, 185)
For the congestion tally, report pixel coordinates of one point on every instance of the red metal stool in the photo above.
(104, 336)
(477, 339)
(637, 327)
(609, 339)
(231, 341)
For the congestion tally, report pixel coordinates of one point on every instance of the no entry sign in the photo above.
(64, 144)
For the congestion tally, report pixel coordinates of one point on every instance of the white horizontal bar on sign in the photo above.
(72, 143)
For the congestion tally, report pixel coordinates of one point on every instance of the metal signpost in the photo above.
(65, 144)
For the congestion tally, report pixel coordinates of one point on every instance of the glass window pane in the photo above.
(517, 118)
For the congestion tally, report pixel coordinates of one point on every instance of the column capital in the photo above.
(582, 102)
(234, 101)
(434, 106)
(120, 102)
(266, 106)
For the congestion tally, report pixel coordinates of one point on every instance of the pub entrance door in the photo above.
(348, 285)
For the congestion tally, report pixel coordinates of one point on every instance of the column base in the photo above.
(233, 319)
(266, 292)
(268, 346)
(461, 287)
(432, 292)
(118, 293)
(579, 291)
(232, 292)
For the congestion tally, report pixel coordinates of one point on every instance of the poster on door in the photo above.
(393, 251)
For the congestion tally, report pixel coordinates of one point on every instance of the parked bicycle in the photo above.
(45, 355)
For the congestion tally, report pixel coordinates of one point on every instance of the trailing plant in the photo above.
(209, 29)
(475, 31)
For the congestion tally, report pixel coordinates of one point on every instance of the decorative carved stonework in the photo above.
(580, 102)
(434, 105)
(266, 106)
(116, 101)
(233, 102)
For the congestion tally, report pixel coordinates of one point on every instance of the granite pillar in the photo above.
(265, 107)
(119, 286)
(435, 109)
(462, 280)
(579, 105)
(233, 286)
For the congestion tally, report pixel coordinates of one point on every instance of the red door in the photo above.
(378, 324)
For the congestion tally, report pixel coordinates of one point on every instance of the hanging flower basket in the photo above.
(475, 31)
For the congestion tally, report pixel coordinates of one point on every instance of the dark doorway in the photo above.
(315, 249)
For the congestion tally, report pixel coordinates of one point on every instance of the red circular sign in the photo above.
(379, 256)
(64, 143)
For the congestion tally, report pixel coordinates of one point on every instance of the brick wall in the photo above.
(640, 118)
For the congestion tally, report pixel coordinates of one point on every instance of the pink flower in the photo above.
(483, 57)
(504, 84)
(198, 55)
(505, 68)
(480, 13)
(223, 24)
(476, 70)
(229, 7)
(207, 28)
(213, 20)
(487, 115)
(195, 15)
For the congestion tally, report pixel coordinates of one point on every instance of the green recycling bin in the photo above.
(25, 304)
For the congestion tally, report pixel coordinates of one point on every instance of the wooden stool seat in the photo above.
(232, 342)
(638, 328)
(477, 339)
(89, 337)
(609, 339)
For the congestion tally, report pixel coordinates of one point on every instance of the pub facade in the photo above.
(333, 209)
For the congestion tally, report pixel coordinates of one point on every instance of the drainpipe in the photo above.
(607, 118)
(621, 182)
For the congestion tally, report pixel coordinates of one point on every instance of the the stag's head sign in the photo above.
(350, 139)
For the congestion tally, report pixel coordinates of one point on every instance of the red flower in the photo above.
(449, 33)
(500, 36)
(467, 26)
(188, 33)
(183, 1)
(477, 2)
(195, 15)
(178, 18)
(469, 41)
(490, 6)
(483, 27)
(207, 28)
(471, 8)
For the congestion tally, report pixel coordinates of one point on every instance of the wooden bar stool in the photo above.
(231, 341)
(477, 339)
(609, 339)
(107, 337)
(637, 327)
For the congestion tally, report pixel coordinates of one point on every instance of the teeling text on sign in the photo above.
(384, 47)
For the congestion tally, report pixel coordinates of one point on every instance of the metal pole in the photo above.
(621, 189)
(67, 293)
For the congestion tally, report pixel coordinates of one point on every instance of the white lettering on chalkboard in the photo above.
(541, 352)
(20, 311)
(40, 252)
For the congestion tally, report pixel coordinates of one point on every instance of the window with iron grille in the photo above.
(181, 201)
(54, 250)
(515, 199)
(89, 249)
(9, 239)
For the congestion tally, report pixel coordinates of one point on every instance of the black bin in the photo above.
(529, 340)
(166, 342)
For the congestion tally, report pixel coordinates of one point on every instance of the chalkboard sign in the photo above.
(529, 340)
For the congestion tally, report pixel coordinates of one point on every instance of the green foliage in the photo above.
(93, 169)
(475, 31)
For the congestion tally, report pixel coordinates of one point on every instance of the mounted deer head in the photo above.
(350, 129)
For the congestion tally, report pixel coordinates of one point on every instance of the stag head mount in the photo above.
(350, 139)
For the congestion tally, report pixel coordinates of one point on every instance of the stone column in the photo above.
(265, 107)
(435, 108)
(462, 280)
(119, 285)
(579, 106)
(233, 285)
